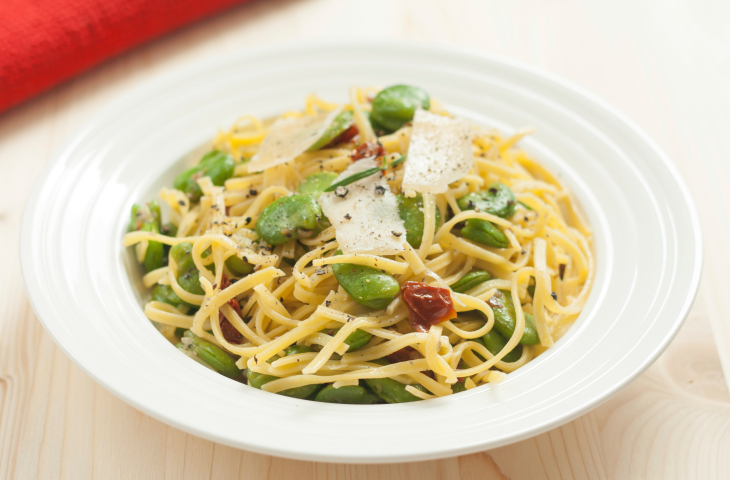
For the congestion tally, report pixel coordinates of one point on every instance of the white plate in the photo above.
(77, 274)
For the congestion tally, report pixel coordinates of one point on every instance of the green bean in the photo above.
(366, 285)
(295, 216)
(188, 275)
(497, 199)
(257, 380)
(342, 122)
(165, 294)
(394, 106)
(219, 166)
(238, 267)
(471, 280)
(316, 183)
(411, 212)
(495, 342)
(505, 318)
(392, 391)
(351, 394)
(213, 355)
(484, 232)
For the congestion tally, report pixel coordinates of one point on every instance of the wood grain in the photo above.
(664, 62)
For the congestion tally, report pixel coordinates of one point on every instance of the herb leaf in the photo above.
(397, 162)
(364, 174)
(525, 205)
(353, 178)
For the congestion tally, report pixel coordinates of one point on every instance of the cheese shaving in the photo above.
(440, 153)
(365, 221)
(288, 138)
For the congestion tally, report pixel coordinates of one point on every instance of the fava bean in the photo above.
(531, 287)
(316, 183)
(392, 391)
(495, 342)
(142, 214)
(238, 267)
(342, 122)
(188, 276)
(295, 349)
(182, 253)
(257, 380)
(148, 219)
(295, 216)
(505, 318)
(217, 165)
(169, 229)
(458, 387)
(471, 280)
(394, 106)
(165, 294)
(351, 394)
(357, 339)
(154, 256)
(411, 212)
(484, 232)
(367, 285)
(213, 355)
(497, 199)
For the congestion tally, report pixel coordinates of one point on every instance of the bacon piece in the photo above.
(345, 136)
(366, 150)
(427, 305)
(227, 329)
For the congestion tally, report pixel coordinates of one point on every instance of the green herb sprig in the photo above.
(365, 173)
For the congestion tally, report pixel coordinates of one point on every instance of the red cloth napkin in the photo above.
(43, 42)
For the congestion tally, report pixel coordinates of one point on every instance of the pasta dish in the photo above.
(379, 251)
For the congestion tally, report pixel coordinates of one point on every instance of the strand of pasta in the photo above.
(429, 224)
(167, 314)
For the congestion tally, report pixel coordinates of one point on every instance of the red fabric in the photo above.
(43, 42)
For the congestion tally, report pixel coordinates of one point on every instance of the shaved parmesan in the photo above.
(288, 138)
(440, 153)
(365, 220)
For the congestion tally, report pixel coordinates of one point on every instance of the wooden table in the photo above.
(663, 62)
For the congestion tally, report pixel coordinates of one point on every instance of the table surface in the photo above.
(663, 62)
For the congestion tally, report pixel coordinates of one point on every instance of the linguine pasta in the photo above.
(290, 295)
